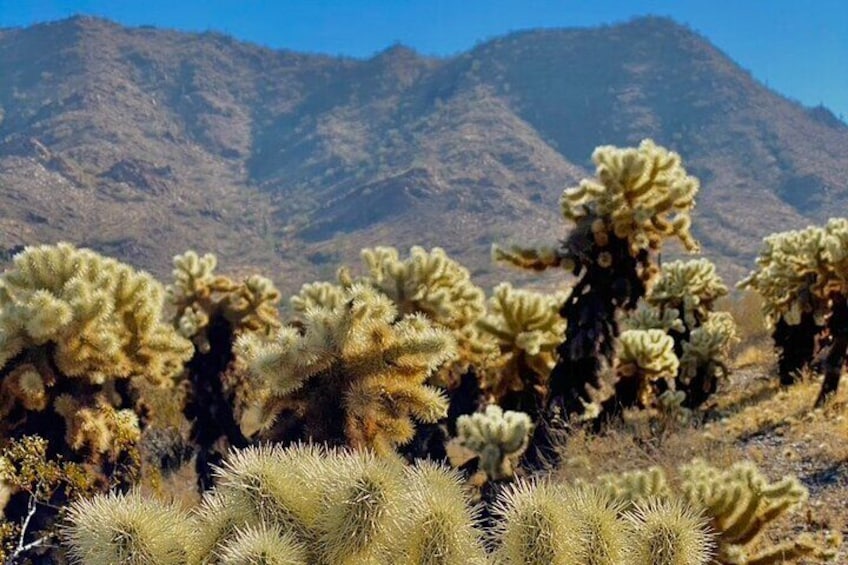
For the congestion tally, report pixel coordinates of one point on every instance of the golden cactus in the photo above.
(638, 198)
(644, 357)
(73, 324)
(127, 529)
(358, 361)
(527, 328)
(802, 276)
(497, 437)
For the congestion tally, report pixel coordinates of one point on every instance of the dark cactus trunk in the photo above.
(590, 312)
(209, 407)
(797, 345)
(837, 325)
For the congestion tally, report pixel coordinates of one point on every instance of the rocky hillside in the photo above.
(142, 143)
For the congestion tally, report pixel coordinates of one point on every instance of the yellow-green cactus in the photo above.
(356, 373)
(708, 347)
(803, 279)
(669, 532)
(690, 287)
(527, 328)
(633, 486)
(317, 294)
(433, 284)
(199, 295)
(638, 198)
(644, 357)
(792, 274)
(497, 437)
(429, 282)
(129, 529)
(738, 503)
(327, 506)
(532, 525)
(267, 545)
(642, 195)
(646, 317)
(73, 324)
(438, 527)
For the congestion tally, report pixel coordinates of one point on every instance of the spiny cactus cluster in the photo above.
(298, 505)
(213, 310)
(497, 437)
(435, 285)
(305, 504)
(639, 198)
(527, 328)
(78, 333)
(199, 297)
(360, 360)
(681, 303)
(739, 503)
(802, 276)
(644, 357)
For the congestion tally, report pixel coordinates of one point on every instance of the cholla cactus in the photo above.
(690, 287)
(301, 504)
(527, 328)
(669, 532)
(355, 374)
(199, 296)
(439, 522)
(317, 295)
(803, 278)
(680, 303)
(707, 348)
(644, 358)
(738, 503)
(532, 525)
(127, 529)
(498, 437)
(646, 317)
(212, 310)
(306, 504)
(435, 285)
(74, 324)
(639, 198)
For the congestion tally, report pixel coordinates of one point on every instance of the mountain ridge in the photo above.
(142, 143)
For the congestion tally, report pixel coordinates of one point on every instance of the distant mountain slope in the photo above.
(142, 143)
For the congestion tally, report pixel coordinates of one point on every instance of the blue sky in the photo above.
(799, 48)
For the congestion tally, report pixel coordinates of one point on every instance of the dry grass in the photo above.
(751, 418)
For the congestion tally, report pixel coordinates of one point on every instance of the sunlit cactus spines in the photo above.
(532, 525)
(680, 302)
(199, 295)
(737, 503)
(263, 544)
(497, 437)
(669, 532)
(691, 287)
(527, 328)
(80, 336)
(644, 358)
(638, 198)
(127, 529)
(438, 527)
(213, 310)
(356, 374)
(802, 276)
(598, 535)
